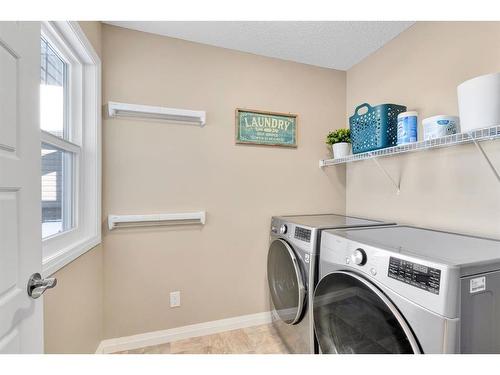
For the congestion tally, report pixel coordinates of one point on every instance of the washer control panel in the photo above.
(417, 275)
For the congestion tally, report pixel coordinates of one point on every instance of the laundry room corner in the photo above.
(150, 167)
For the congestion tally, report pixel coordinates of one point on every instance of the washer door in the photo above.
(285, 282)
(351, 315)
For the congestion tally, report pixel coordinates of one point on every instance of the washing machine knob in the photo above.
(283, 228)
(358, 257)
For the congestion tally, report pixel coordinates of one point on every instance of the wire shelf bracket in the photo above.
(397, 185)
(485, 156)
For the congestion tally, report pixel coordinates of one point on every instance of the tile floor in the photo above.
(261, 339)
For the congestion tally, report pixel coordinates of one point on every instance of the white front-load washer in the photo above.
(403, 289)
(292, 273)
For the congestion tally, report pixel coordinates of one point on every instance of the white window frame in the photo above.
(84, 86)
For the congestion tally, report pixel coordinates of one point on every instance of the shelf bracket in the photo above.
(384, 171)
(483, 153)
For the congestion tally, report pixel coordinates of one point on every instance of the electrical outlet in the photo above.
(175, 299)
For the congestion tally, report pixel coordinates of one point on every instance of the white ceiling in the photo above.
(330, 44)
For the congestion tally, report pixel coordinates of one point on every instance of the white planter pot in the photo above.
(341, 150)
(479, 102)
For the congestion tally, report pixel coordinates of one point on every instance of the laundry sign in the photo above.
(266, 128)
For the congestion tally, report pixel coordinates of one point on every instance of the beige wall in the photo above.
(157, 167)
(73, 311)
(451, 189)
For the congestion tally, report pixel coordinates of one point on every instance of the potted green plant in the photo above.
(340, 140)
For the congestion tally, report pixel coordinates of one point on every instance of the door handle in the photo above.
(37, 286)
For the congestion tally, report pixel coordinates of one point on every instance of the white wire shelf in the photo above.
(474, 136)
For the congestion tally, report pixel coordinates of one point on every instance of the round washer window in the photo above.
(353, 316)
(285, 282)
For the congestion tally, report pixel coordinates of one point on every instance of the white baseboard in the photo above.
(180, 333)
(99, 349)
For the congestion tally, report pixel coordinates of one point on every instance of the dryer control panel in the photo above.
(417, 275)
(303, 234)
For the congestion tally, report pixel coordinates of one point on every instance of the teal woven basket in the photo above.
(376, 128)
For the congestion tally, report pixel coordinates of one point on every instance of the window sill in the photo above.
(55, 262)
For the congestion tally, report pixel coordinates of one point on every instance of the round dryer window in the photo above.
(285, 282)
(351, 315)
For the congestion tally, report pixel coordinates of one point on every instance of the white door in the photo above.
(21, 319)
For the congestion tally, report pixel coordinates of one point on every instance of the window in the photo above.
(57, 183)
(53, 90)
(57, 163)
(70, 149)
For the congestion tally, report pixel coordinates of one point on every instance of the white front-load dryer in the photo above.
(292, 273)
(403, 289)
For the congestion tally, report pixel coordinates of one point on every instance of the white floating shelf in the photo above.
(116, 221)
(115, 109)
(449, 140)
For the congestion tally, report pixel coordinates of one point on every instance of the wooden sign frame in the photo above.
(238, 134)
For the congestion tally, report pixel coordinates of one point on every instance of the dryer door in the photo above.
(286, 284)
(351, 315)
